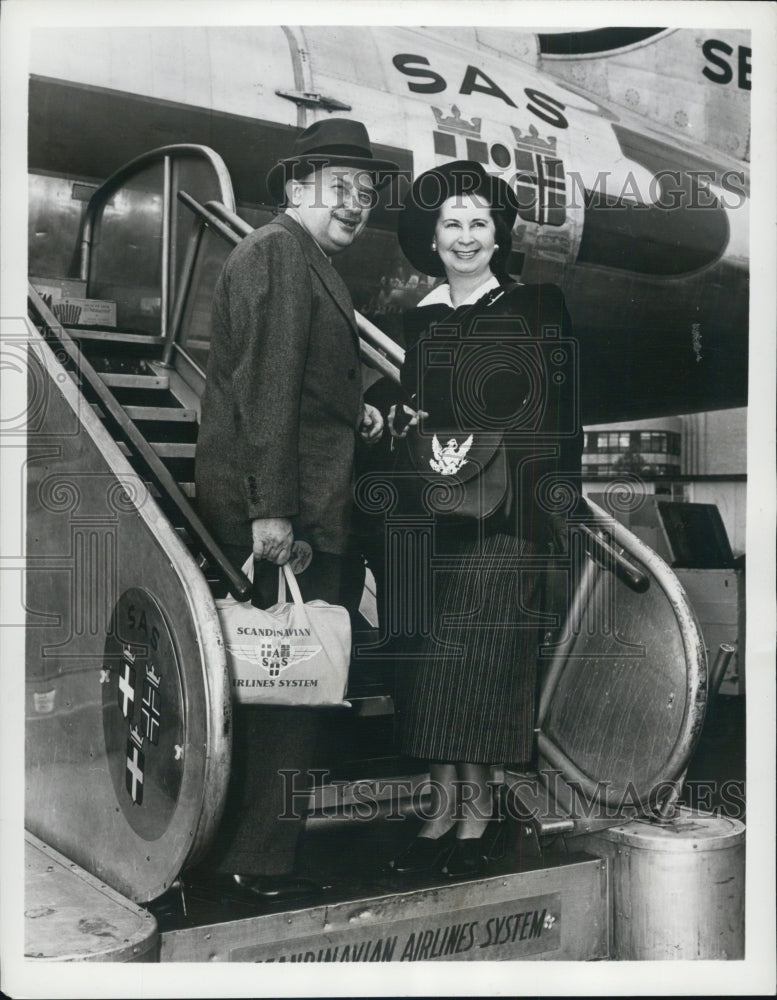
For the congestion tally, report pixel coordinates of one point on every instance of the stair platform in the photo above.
(525, 907)
(69, 915)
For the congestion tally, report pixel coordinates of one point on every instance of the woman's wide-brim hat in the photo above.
(421, 206)
(334, 142)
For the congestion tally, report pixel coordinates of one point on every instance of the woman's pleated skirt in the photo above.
(466, 691)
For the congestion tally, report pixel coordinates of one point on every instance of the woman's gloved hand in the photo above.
(401, 418)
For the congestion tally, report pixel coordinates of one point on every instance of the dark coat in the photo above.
(507, 363)
(512, 366)
(283, 395)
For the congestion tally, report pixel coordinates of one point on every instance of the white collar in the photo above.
(441, 295)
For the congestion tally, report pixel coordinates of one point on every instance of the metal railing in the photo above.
(152, 464)
(377, 350)
(168, 156)
(372, 334)
(612, 547)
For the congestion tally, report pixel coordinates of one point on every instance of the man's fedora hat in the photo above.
(421, 205)
(333, 142)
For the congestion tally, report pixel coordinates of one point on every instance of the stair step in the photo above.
(188, 490)
(173, 449)
(182, 414)
(115, 336)
(371, 705)
(120, 381)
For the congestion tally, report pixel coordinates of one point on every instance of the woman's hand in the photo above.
(401, 418)
(371, 427)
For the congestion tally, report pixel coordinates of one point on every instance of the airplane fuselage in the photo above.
(645, 231)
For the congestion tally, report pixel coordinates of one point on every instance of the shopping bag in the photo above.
(293, 653)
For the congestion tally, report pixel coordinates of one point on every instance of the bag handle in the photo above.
(286, 578)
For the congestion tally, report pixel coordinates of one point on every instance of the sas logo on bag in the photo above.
(273, 657)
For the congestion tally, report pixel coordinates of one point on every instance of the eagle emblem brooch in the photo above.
(449, 459)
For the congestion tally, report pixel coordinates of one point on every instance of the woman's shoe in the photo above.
(424, 854)
(471, 855)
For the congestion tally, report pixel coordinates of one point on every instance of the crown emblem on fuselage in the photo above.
(532, 140)
(456, 124)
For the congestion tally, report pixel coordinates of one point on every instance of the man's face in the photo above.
(333, 205)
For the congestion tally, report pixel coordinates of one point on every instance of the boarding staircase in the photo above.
(145, 387)
(142, 383)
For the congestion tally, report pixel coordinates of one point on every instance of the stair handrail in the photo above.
(648, 564)
(371, 333)
(238, 582)
(165, 155)
(377, 349)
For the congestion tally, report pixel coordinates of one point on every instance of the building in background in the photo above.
(679, 483)
(696, 458)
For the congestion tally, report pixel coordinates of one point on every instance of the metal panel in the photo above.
(549, 914)
(623, 701)
(55, 217)
(155, 65)
(718, 597)
(623, 694)
(127, 253)
(124, 659)
(135, 210)
(70, 916)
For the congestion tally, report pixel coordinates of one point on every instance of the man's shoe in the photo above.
(278, 887)
(251, 889)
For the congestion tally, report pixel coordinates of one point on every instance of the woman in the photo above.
(475, 364)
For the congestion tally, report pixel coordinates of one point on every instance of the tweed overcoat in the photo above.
(283, 395)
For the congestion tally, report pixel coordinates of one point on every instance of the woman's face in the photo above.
(465, 236)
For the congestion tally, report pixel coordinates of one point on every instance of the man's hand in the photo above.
(371, 427)
(273, 539)
(402, 418)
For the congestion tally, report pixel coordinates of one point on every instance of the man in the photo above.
(281, 412)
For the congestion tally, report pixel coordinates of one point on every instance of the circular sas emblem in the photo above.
(143, 713)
